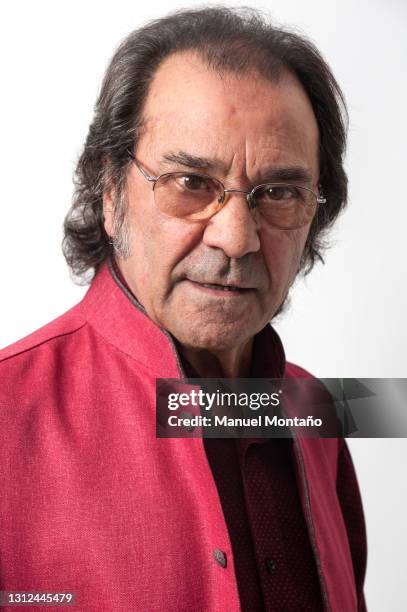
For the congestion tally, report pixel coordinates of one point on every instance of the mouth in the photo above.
(224, 290)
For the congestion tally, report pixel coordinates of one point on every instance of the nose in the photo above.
(233, 229)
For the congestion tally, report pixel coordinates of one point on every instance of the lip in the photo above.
(238, 292)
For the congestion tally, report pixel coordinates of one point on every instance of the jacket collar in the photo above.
(116, 314)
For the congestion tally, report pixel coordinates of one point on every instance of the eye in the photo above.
(194, 182)
(278, 192)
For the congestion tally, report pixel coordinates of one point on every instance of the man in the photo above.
(211, 170)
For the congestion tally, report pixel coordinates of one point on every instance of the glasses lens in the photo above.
(285, 206)
(188, 196)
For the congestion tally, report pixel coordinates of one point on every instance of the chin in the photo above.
(213, 338)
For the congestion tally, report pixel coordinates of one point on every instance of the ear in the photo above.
(108, 212)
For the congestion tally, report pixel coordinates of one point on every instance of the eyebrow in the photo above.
(193, 161)
(296, 174)
(270, 174)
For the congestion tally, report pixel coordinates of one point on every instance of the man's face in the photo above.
(246, 126)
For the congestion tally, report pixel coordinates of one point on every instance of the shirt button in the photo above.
(220, 557)
(270, 565)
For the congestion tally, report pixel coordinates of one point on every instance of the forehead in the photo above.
(242, 119)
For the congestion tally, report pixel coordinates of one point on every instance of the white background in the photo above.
(346, 320)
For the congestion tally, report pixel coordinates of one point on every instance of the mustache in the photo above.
(216, 268)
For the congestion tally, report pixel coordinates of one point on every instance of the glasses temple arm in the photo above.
(321, 199)
(150, 178)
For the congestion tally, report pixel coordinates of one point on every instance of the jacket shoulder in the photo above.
(294, 371)
(65, 324)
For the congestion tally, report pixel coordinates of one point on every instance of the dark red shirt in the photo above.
(274, 563)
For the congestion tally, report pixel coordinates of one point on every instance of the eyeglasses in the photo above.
(197, 197)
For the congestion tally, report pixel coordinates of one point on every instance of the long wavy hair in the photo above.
(238, 40)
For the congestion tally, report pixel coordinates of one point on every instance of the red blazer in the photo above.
(92, 502)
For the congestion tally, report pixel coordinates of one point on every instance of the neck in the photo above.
(220, 364)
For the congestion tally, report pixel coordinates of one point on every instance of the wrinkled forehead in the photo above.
(194, 107)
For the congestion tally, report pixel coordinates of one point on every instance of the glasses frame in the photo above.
(320, 199)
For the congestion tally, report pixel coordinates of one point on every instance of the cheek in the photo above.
(282, 251)
(159, 243)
